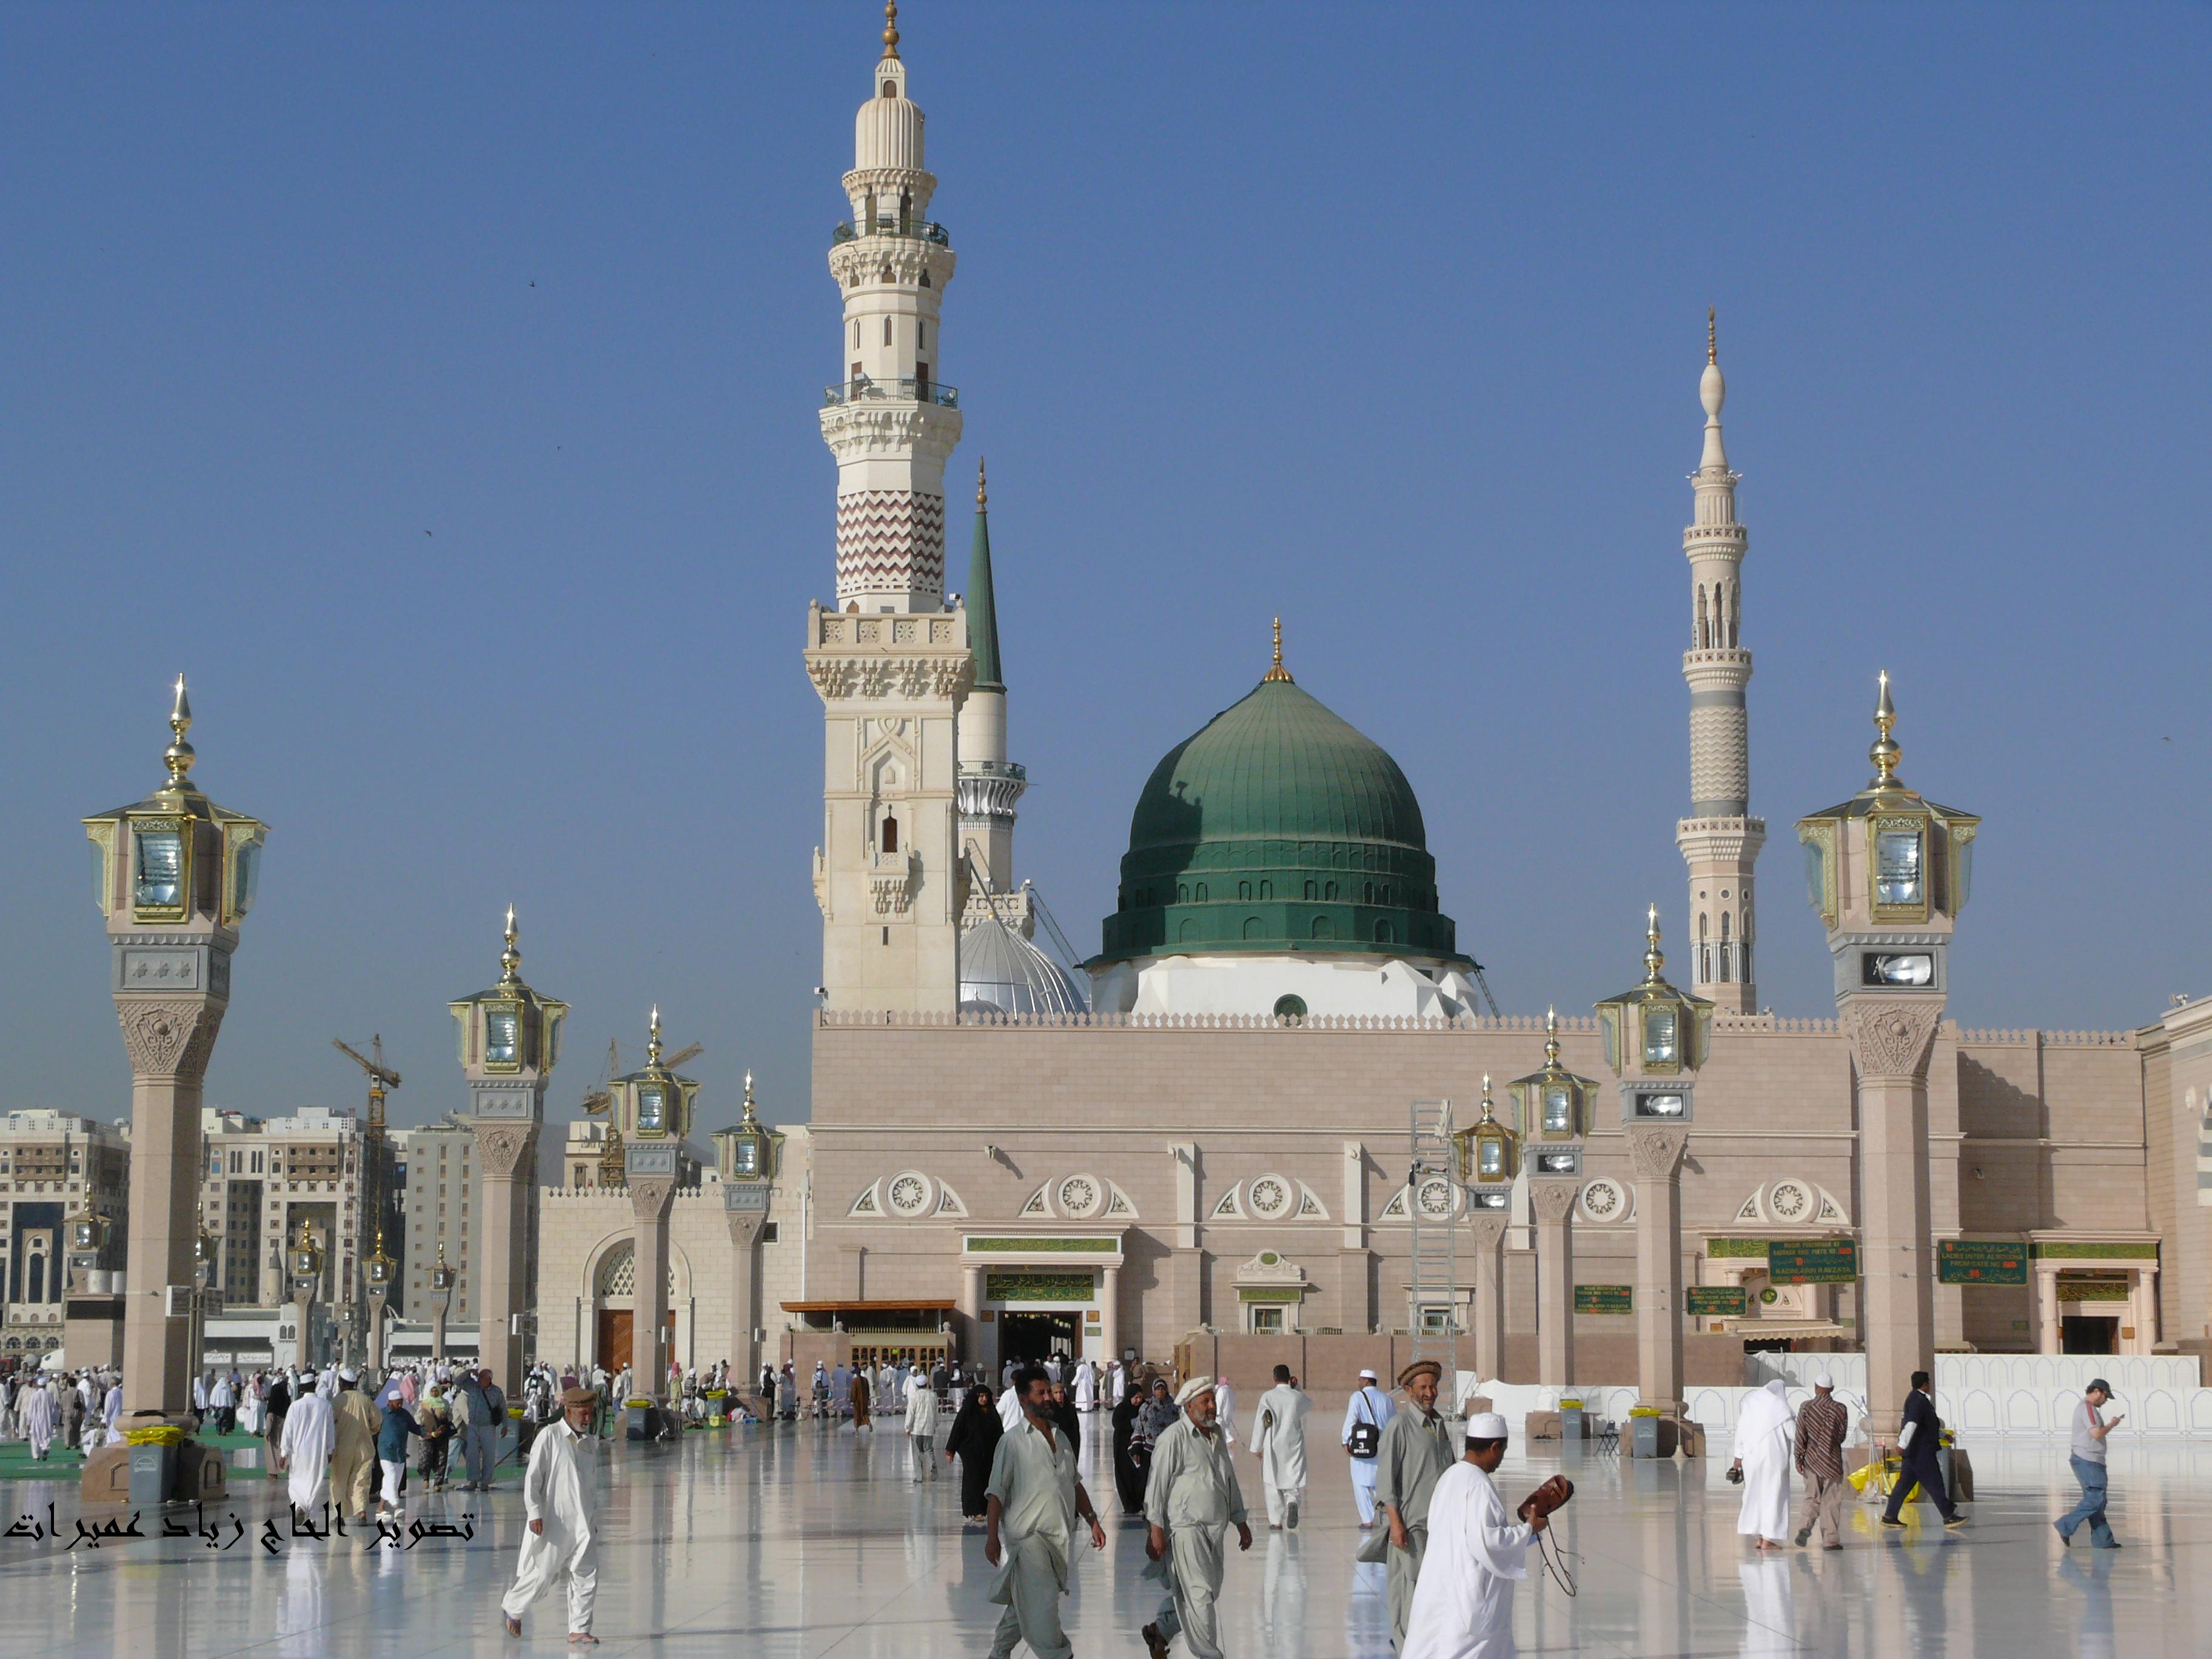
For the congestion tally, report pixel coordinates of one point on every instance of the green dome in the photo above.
(1278, 828)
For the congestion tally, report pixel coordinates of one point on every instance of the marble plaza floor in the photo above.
(796, 1542)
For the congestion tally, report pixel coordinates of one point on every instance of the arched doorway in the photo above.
(615, 1288)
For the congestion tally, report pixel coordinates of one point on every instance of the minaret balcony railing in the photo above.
(906, 389)
(888, 225)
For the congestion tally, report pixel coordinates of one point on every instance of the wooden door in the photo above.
(613, 1338)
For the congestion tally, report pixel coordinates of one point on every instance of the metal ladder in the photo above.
(1435, 1238)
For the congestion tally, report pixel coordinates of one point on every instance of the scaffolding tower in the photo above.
(1434, 1227)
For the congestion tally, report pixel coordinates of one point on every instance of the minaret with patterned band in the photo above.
(889, 656)
(889, 418)
(1720, 841)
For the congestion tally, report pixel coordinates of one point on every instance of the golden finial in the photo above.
(1551, 1038)
(653, 1038)
(1654, 958)
(890, 29)
(1486, 1102)
(441, 1251)
(179, 757)
(982, 499)
(1278, 672)
(1712, 337)
(749, 1098)
(510, 959)
(1885, 754)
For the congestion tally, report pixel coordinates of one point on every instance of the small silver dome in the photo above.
(1001, 972)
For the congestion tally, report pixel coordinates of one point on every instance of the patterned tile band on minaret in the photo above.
(889, 418)
(1719, 842)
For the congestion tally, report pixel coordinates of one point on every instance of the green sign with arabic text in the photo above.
(1812, 1261)
(1980, 1262)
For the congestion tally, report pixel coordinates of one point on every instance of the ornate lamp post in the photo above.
(651, 1110)
(1889, 872)
(304, 1262)
(510, 1039)
(1655, 1039)
(174, 876)
(1489, 1158)
(1553, 1107)
(378, 1269)
(442, 1281)
(207, 1266)
(749, 1156)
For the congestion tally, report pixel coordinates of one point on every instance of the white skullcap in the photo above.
(1824, 1381)
(347, 1374)
(1192, 1389)
(1487, 1425)
(1370, 1376)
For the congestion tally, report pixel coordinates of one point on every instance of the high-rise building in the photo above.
(53, 1164)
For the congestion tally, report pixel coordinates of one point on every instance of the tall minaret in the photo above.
(891, 419)
(1719, 842)
(889, 659)
(990, 784)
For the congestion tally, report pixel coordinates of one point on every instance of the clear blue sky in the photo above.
(437, 386)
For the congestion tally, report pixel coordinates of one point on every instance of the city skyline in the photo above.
(590, 708)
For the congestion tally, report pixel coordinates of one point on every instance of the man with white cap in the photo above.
(1369, 1410)
(1821, 1422)
(1416, 1448)
(1191, 1498)
(304, 1451)
(1030, 1511)
(1463, 1605)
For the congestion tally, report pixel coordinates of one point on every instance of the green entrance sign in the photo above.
(1812, 1261)
(1037, 1287)
(1980, 1262)
(1713, 1301)
(1605, 1299)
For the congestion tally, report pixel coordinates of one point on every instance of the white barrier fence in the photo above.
(2161, 1395)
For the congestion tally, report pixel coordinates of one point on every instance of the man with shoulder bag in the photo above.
(1363, 1419)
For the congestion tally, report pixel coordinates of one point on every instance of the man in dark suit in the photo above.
(1917, 1440)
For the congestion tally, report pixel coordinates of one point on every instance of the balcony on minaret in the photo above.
(890, 224)
(906, 388)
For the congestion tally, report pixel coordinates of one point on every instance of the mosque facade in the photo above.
(1204, 1125)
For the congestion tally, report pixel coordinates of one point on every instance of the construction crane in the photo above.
(380, 1078)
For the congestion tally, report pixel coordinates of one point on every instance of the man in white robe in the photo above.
(1010, 1406)
(310, 1435)
(921, 1424)
(1191, 1498)
(1224, 1403)
(1030, 1508)
(556, 1504)
(1117, 1385)
(1086, 1386)
(1278, 1440)
(36, 1408)
(1765, 1436)
(111, 1411)
(1368, 1403)
(1463, 1604)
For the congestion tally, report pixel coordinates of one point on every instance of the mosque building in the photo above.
(1203, 1126)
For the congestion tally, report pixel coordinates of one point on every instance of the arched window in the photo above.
(1736, 613)
(1331, 893)
(890, 90)
(1244, 890)
(906, 211)
(1383, 933)
(1324, 929)
(1252, 927)
(925, 275)
(887, 321)
(889, 833)
(1201, 892)
(1183, 892)
(1705, 633)
(1267, 890)
(1367, 890)
(1310, 891)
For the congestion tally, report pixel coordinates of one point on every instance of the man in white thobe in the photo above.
(113, 1413)
(310, 1435)
(1278, 1440)
(1224, 1403)
(1368, 1403)
(921, 1424)
(36, 1408)
(1765, 1436)
(555, 1501)
(1117, 1385)
(1191, 1498)
(1086, 1386)
(1010, 1406)
(1463, 1604)
(1030, 1508)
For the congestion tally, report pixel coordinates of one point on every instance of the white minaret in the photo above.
(1719, 841)
(889, 659)
(889, 419)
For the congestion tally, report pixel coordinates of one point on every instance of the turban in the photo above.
(1192, 1389)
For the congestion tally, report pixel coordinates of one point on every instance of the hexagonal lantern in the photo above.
(654, 1103)
(1488, 1150)
(749, 1153)
(1552, 1106)
(1656, 1038)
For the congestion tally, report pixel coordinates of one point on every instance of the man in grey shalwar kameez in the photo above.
(1191, 1498)
(1417, 1447)
(1030, 1513)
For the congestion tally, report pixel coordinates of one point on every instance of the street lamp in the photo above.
(207, 1254)
(305, 1260)
(379, 1269)
(442, 1279)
